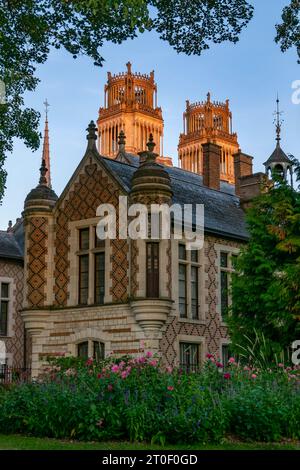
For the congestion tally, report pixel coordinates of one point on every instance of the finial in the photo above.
(208, 97)
(128, 65)
(278, 121)
(47, 105)
(9, 228)
(121, 141)
(150, 144)
(43, 171)
(92, 135)
(121, 138)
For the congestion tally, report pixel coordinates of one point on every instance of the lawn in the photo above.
(17, 442)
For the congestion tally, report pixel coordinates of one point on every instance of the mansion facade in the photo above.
(66, 292)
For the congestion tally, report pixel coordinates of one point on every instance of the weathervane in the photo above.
(278, 121)
(46, 107)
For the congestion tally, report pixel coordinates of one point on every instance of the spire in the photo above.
(278, 121)
(46, 149)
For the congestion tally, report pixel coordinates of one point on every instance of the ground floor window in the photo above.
(226, 354)
(189, 356)
(95, 349)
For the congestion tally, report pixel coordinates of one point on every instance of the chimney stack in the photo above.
(211, 165)
(242, 167)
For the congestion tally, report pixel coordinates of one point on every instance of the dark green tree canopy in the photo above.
(266, 285)
(30, 28)
(288, 32)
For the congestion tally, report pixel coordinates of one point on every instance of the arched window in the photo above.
(91, 348)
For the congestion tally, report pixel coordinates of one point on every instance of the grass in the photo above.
(18, 442)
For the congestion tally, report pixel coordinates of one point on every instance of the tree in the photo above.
(266, 284)
(288, 32)
(30, 28)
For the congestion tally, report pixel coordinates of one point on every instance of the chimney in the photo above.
(242, 167)
(211, 165)
(251, 186)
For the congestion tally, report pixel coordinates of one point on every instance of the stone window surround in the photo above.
(200, 340)
(201, 285)
(74, 228)
(90, 335)
(231, 251)
(10, 281)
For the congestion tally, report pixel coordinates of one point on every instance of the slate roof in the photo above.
(12, 243)
(278, 156)
(223, 215)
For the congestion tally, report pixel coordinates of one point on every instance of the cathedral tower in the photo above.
(130, 105)
(204, 122)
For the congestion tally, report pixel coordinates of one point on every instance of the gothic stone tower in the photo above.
(207, 122)
(130, 105)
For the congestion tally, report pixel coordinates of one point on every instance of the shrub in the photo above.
(137, 399)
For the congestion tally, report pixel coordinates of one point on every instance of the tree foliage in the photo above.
(29, 29)
(266, 285)
(288, 32)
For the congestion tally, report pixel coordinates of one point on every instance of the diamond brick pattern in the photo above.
(15, 343)
(37, 236)
(92, 188)
(213, 330)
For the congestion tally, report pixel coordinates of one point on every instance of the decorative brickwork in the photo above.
(169, 269)
(211, 328)
(15, 342)
(92, 188)
(37, 235)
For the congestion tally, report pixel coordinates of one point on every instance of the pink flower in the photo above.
(99, 376)
(122, 364)
(253, 376)
(109, 387)
(115, 368)
(212, 359)
(170, 388)
(149, 354)
(209, 356)
(169, 369)
(124, 374)
(280, 364)
(128, 368)
(89, 362)
(153, 363)
(219, 364)
(231, 360)
(227, 376)
(246, 368)
(141, 360)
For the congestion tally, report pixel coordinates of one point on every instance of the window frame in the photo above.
(191, 367)
(231, 253)
(153, 274)
(8, 301)
(190, 264)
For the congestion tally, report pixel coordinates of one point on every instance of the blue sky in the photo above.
(249, 73)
